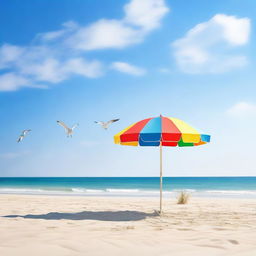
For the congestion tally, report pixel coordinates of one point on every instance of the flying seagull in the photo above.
(23, 134)
(105, 125)
(69, 131)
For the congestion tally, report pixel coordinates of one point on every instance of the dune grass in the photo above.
(183, 198)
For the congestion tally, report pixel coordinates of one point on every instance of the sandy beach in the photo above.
(62, 225)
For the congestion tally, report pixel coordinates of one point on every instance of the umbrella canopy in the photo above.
(164, 131)
(161, 131)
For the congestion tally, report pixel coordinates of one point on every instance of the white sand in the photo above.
(52, 225)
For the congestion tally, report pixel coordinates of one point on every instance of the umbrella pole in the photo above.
(161, 178)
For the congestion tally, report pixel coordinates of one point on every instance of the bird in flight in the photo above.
(23, 135)
(69, 131)
(105, 125)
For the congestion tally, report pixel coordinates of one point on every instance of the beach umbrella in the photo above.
(161, 131)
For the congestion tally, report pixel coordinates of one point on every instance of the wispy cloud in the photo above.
(11, 81)
(242, 109)
(42, 63)
(211, 47)
(55, 56)
(128, 68)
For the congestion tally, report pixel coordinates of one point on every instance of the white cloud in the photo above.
(47, 71)
(104, 34)
(42, 63)
(236, 31)
(212, 46)
(128, 68)
(11, 82)
(54, 71)
(80, 66)
(8, 54)
(68, 27)
(55, 56)
(146, 14)
(141, 17)
(242, 109)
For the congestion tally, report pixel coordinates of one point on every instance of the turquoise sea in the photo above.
(132, 186)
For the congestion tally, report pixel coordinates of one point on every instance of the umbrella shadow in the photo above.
(90, 215)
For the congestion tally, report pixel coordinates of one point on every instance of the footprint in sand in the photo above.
(158, 228)
(184, 229)
(233, 241)
(130, 227)
(220, 229)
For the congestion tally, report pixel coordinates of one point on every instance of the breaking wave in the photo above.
(126, 192)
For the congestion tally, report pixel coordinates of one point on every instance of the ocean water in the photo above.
(133, 186)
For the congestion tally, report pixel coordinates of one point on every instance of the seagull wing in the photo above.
(20, 139)
(63, 125)
(99, 122)
(26, 131)
(112, 121)
(74, 126)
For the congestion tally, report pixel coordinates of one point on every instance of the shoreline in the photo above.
(166, 195)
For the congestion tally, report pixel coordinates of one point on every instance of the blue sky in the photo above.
(80, 61)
